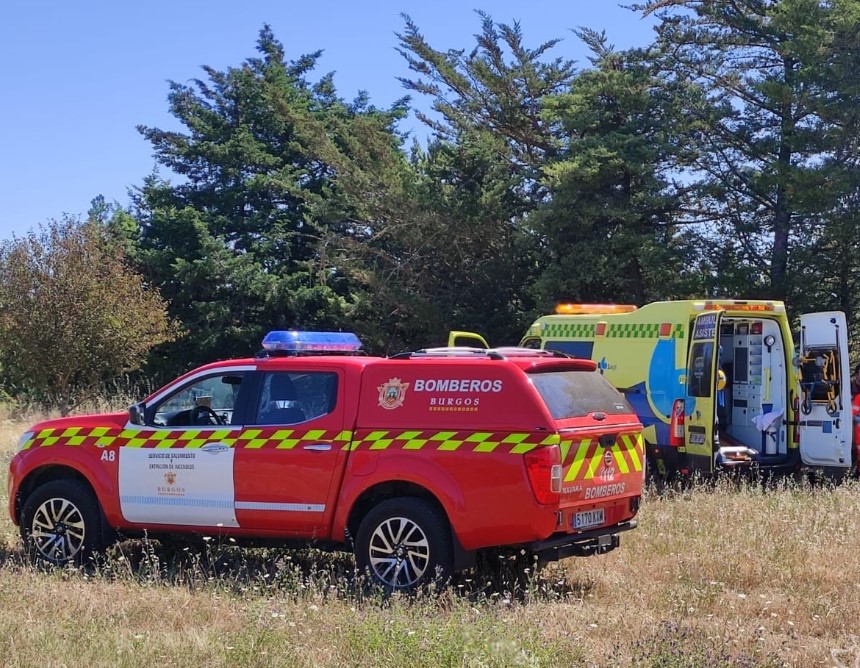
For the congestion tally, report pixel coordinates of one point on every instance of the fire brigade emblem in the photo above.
(607, 472)
(170, 477)
(392, 394)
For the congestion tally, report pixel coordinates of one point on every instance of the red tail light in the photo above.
(676, 425)
(544, 470)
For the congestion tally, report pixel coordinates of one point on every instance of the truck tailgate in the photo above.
(601, 470)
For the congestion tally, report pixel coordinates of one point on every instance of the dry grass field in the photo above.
(713, 577)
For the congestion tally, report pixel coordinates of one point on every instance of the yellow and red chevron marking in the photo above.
(256, 438)
(287, 438)
(462, 441)
(628, 455)
(284, 438)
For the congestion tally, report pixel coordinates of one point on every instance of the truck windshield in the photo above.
(571, 394)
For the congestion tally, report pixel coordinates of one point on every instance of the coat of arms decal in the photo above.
(392, 394)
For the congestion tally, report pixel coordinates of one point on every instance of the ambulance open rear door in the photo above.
(825, 390)
(701, 408)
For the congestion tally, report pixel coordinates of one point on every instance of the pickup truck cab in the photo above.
(416, 462)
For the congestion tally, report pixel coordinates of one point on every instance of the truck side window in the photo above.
(215, 394)
(295, 397)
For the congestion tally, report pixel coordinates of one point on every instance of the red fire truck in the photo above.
(418, 463)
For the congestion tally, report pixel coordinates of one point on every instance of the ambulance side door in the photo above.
(701, 389)
(825, 390)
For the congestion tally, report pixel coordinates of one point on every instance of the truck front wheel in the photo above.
(61, 523)
(403, 543)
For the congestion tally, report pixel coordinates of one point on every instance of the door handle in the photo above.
(214, 448)
(317, 447)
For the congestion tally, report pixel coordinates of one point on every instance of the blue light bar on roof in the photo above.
(321, 342)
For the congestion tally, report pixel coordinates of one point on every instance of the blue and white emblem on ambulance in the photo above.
(392, 394)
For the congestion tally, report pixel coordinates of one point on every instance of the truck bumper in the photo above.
(586, 543)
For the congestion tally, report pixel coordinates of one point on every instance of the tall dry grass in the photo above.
(731, 576)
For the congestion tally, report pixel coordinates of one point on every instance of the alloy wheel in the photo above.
(58, 530)
(399, 552)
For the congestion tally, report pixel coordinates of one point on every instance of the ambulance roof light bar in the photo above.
(738, 305)
(295, 342)
(593, 309)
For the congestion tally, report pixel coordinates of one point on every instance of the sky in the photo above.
(79, 77)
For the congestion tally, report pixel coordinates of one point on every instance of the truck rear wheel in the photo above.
(403, 543)
(61, 524)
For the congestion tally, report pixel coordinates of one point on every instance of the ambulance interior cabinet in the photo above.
(746, 384)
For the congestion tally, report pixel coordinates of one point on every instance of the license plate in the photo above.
(697, 438)
(588, 518)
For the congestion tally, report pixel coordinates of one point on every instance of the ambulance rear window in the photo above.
(571, 394)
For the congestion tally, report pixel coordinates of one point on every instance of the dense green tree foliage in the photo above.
(609, 227)
(830, 247)
(483, 167)
(73, 315)
(716, 161)
(722, 159)
(252, 236)
(497, 89)
(768, 127)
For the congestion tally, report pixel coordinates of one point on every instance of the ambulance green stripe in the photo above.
(627, 330)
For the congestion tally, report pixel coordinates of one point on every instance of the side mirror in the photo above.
(137, 413)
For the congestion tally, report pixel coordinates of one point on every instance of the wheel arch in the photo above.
(45, 474)
(392, 489)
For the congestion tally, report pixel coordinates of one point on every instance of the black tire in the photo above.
(61, 524)
(654, 480)
(404, 543)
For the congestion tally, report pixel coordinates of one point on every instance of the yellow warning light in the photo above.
(738, 306)
(594, 309)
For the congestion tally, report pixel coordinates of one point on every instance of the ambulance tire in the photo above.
(61, 524)
(404, 543)
(654, 480)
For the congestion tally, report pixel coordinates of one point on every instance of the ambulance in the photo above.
(718, 384)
